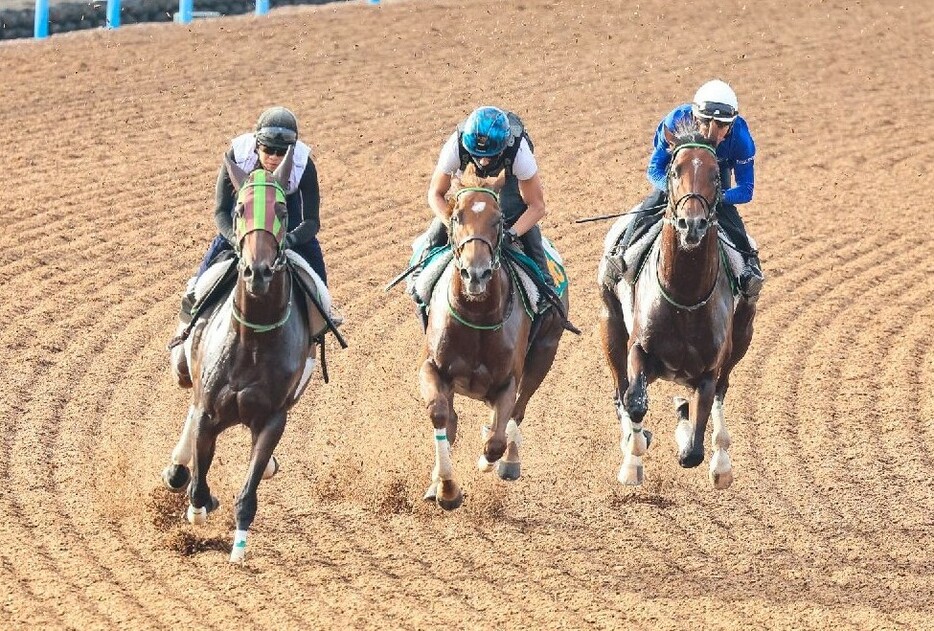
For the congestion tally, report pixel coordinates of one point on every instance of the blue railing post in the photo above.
(113, 13)
(185, 9)
(42, 19)
(262, 7)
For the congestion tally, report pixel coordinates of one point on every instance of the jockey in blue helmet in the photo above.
(496, 142)
(715, 112)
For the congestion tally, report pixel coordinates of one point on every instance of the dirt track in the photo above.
(107, 212)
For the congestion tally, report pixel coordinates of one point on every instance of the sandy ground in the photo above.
(112, 142)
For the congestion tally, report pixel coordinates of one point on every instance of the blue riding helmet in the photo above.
(486, 132)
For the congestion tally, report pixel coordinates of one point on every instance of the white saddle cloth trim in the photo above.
(430, 276)
(210, 276)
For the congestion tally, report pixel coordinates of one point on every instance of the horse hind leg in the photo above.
(721, 469)
(177, 475)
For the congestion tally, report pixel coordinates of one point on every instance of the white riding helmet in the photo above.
(715, 99)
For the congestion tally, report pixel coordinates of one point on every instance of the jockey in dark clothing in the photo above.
(497, 144)
(276, 130)
(715, 111)
(265, 148)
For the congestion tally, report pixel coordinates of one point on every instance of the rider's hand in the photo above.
(288, 242)
(511, 235)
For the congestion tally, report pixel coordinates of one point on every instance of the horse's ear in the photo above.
(669, 137)
(237, 175)
(284, 170)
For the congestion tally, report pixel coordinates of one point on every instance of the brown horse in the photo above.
(249, 360)
(477, 342)
(679, 322)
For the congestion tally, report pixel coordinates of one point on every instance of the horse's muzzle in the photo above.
(476, 279)
(692, 231)
(258, 277)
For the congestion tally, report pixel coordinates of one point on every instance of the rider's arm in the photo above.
(534, 196)
(437, 189)
(743, 152)
(310, 197)
(525, 168)
(223, 203)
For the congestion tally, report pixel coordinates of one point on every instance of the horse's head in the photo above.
(693, 185)
(260, 222)
(476, 232)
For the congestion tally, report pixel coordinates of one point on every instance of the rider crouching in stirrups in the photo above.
(497, 144)
(265, 148)
(715, 111)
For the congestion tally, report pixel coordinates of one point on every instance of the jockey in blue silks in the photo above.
(715, 111)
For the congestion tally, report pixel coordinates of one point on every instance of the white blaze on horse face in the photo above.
(478, 207)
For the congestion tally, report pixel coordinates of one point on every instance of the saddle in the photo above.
(216, 284)
(638, 252)
(428, 265)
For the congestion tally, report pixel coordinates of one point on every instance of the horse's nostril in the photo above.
(267, 272)
(682, 223)
(487, 274)
(702, 224)
(248, 272)
(465, 274)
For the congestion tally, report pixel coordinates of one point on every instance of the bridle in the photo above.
(674, 205)
(710, 215)
(495, 248)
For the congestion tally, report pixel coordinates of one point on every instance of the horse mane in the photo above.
(686, 132)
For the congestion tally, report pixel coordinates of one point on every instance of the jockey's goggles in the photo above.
(711, 110)
(276, 136)
(272, 151)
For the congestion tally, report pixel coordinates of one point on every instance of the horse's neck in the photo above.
(688, 274)
(268, 308)
(492, 304)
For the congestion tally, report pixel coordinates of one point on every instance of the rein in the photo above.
(262, 328)
(485, 327)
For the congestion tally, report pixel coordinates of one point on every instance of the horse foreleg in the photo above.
(631, 411)
(176, 475)
(690, 436)
(264, 443)
(201, 502)
(721, 469)
(438, 396)
(502, 404)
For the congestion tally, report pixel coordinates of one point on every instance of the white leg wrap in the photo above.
(238, 552)
(683, 434)
(197, 516)
(444, 469)
(513, 435)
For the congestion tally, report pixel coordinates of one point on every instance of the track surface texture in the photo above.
(113, 141)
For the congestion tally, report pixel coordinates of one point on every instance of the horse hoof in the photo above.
(484, 465)
(272, 468)
(197, 516)
(691, 459)
(648, 438)
(176, 477)
(721, 481)
(431, 495)
(453, 503)
(631, 473)
(509, 471)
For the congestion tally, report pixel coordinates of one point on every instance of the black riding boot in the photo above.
(532, 245)
(436, 235)
(751, 278)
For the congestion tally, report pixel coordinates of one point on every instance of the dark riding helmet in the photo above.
(486, 132)
(277, 127)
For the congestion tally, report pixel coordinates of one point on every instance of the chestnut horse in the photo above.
(477, 341)
(249, 360)
(679, 321)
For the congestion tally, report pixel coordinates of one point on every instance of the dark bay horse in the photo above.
(679, 321)
(477, 342)
(249, 360)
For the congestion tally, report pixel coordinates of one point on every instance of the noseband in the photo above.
(495, 248)
(710, 207)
